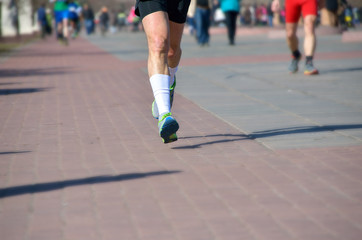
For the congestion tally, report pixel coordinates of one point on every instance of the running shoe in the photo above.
(154, 104)
(167, 127)
(293, 66)
(309, 69)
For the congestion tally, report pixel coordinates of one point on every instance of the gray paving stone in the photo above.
(271, 89)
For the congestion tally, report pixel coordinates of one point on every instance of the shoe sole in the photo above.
(315, 72)
(170, 139)
(168, 132)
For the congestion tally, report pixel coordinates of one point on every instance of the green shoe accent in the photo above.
(172, 91)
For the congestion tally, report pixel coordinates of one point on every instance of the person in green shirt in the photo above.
(61, 20)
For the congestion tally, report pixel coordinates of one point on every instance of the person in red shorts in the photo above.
(294, 9)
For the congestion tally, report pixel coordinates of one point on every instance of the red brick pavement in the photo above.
(80, 158)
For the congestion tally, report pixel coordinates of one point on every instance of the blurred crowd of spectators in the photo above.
(264, 14)
(83, 16)
(113, 20)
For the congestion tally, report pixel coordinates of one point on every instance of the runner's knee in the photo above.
(290, 33)
(158, 44)
(309, 23)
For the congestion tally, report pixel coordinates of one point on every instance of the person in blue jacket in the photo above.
(74, 11)
(231, 9)
(42, 20)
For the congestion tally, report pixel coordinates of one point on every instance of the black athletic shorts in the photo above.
(176, 9)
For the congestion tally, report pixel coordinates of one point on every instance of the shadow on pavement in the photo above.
(21, 90)
(60, 54)
(124, 53)
(9, 83)
(13, 152)
(237, 137)
(9, 73)
(268, 133)
(306, 129)
(344, 70)
(50, 186)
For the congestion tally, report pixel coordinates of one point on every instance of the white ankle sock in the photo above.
(161, 90)
(172, 74)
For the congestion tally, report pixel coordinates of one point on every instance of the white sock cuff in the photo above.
(159, 76)
(173, 70)
(172, 74)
